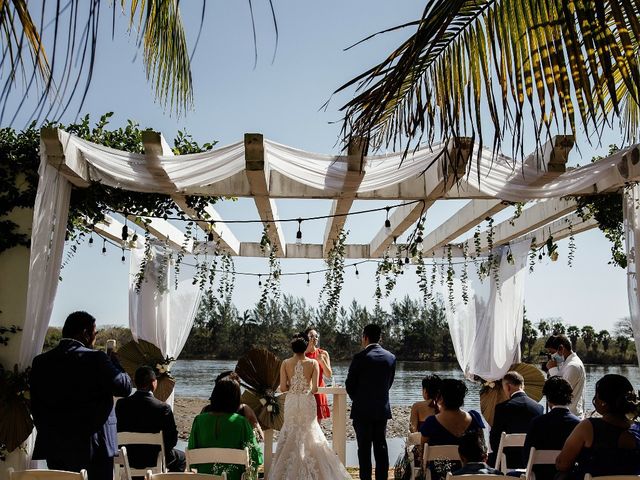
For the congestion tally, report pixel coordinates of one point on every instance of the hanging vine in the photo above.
(271, 287)
(423, 280)
(464, 277)
(572, 246)
(334, 276)
(450, 275)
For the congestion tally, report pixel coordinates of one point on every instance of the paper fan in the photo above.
(133, 355)
(259, 370)
(15, 418)
(492, 393)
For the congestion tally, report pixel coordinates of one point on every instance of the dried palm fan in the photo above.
(15, 418)
(259, 370)
(133, 355)
(492, 393)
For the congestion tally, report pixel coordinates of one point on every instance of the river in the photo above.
(194, 378)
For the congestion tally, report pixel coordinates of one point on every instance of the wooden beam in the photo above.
(112, 229)
(551, 159)
(405, 216)
(306, 250)
(64, 158)
(155, 146)
(258, 176)
(165, 232)
(560, 229)
(356, 151)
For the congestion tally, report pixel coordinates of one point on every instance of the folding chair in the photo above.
(121, 465)
(478, 476)
(40, 474)
(413, 439)
(508, 440)
(184, 476)
(437, 452)
(137, 438)
(539, 457)
(588, 476)
(233, 456)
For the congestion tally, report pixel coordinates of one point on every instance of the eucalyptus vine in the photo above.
(271, 287)
(334, 275)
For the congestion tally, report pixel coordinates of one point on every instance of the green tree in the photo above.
(623, 342)
(558, 327)
(604, 338)
(529, 336)
(588, 336)
(544, 328)
(573, 333)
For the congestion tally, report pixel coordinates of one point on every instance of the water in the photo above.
(195, 378)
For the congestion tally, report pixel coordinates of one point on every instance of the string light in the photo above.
(125, 231)
(259, 280)
(123, 258)
(308, 280)
(210, 237)
(91, 240)
(104, 246)
(419, 243)
(299, 233)
(387, 222)
(357, 272)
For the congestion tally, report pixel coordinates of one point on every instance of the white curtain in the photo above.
(51, 211)
(159, 313)
(631, 210)
(486, 332)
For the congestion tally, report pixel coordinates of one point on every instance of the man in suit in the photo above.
(142, 412)
(72, 390)
(368, 382)
(512, 416)
(551, 430)
(473, 454)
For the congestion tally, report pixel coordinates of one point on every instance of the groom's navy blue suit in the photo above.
(368, 382)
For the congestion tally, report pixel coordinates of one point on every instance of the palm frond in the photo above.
(534, 65)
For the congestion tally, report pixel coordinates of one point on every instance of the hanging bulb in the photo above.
(357, 273)
(308, 280)
(299, 233)
(387, 223)
(406, 260)
(259, 280)
(123, 258)
(210, 237)
(104, 247)
(419, 243)
(91, 240)
(125, 232)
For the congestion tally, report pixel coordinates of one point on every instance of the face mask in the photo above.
(557, 358)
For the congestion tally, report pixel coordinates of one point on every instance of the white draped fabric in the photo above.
(486, 332)
(631, 210)
(51, 211)
(159, 313)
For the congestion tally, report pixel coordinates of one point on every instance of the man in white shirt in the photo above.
(565, 362)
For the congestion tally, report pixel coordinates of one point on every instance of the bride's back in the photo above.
(308, 366)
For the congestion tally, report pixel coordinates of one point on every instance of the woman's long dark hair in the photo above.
(225, 396)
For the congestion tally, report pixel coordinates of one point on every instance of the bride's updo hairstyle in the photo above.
(299, 343)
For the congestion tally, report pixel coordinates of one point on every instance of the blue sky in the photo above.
(283, 101)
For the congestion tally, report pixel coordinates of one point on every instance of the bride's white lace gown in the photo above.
(303, 452)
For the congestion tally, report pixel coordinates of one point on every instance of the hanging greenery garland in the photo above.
(423, 281)
(271, 287)
(450, 275)
(334, 276)
(464, 278)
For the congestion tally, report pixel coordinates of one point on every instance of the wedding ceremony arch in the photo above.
(266, 171)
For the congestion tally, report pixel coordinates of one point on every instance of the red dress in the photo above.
(322, 403)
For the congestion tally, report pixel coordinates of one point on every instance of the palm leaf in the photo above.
(534, 65)
(259, 369)
(135, 354)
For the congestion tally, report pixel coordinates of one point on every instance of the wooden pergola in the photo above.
(553, 216)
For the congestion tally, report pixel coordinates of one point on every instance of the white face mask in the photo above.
(557, 358)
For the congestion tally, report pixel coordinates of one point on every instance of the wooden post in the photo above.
(339, 415)
(268, 450)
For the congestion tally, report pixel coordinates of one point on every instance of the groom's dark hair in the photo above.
(372, 332)
(77, 323)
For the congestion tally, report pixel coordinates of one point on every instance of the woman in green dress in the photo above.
(222, 427)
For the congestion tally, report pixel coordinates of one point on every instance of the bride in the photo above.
(303, 451)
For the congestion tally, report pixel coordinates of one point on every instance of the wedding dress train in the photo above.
(303, 452)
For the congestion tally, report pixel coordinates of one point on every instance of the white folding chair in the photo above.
(438, 452)
(588, 476)
(184, 476)
(137, 438)
(413, 439)
(474, 476)
(233, 456)
(539, 457)
(508, 440)
(121, 470)
(38, 474)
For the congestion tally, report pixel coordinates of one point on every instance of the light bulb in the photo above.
(299, 238)
(104, 251)
(91, 241)
(357, 273)
(419, 243)
(387, 226)
(308, 281)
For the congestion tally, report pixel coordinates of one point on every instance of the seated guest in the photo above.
(549, 431)
(427, 407)
(608, 445)
(451, 423)
(473, 453)
(243, 409)
(143, 413)
(222, 427)
(512, 416)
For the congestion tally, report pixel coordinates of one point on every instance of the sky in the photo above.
(283, 99)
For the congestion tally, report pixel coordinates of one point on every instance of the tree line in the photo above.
(412, 330)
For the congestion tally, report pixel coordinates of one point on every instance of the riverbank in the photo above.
(186, 408)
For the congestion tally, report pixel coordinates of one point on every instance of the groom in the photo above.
(368, 382)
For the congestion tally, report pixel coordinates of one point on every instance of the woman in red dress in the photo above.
(322, 357)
